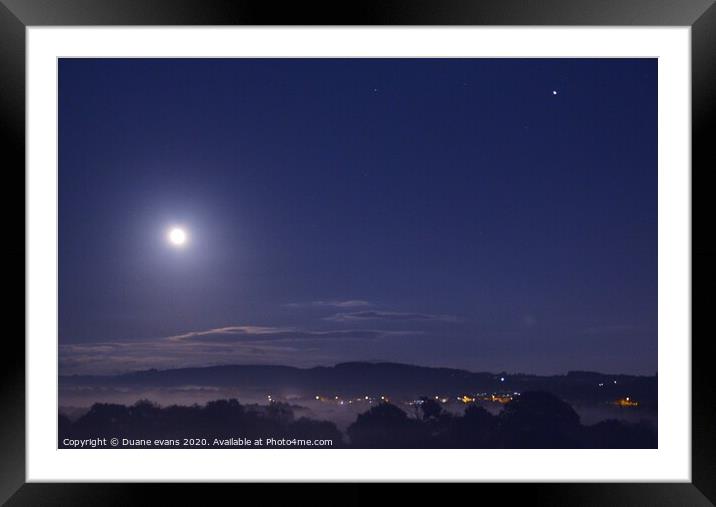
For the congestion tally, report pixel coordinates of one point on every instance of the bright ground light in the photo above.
(177, 236)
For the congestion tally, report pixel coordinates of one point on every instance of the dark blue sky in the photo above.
(448, 212)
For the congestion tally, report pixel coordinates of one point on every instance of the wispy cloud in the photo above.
(390, 316)
(221, 345)
(246, 331)
(117, 357)
(349, 303)
(262, 334)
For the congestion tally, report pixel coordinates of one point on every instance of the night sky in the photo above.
(450, 212)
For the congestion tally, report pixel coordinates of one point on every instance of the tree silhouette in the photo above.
(613, 434)
(532, 420)
(429, 408)
(539, 420)
(386, 426)
(477, 428)
(217, 419)
(279, 411)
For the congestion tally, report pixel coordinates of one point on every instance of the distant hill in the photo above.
(393, 379)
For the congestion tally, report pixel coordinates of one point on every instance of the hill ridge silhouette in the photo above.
(396, 379)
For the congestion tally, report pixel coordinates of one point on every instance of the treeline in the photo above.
(534, 420)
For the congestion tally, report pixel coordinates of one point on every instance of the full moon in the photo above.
(177, 236)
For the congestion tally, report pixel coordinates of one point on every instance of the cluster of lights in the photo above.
(626, 402)
(340, 401)
(465, 398)
(493, 397)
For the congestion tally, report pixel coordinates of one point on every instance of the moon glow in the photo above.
(177, 236)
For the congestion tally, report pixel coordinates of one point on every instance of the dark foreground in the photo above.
(534, 420)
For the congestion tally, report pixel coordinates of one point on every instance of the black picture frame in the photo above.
(700, 15)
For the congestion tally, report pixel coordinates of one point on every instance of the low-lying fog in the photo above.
(74, 401)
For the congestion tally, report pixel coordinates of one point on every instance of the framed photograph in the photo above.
(419, 242)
